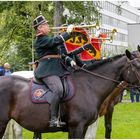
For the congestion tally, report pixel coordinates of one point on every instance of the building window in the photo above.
(113, 22)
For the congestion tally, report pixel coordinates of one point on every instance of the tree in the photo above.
(16, 30)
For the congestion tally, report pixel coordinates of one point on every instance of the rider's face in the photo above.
(44, 28)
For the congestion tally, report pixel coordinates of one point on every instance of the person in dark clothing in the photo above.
(51, 68)
(2, 71)
(134, 92)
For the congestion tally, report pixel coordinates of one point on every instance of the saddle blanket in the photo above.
(41, 94)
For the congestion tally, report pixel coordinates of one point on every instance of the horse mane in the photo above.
(98, 63)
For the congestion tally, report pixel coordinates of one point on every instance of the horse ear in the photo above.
(139, 48)
(128, 54)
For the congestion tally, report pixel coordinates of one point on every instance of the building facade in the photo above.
(118, 15)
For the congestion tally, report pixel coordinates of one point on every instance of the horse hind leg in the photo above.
(2, 128)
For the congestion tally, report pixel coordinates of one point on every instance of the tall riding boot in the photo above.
(54, 122)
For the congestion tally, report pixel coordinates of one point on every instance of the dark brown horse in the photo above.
(81, 110)
(106, 109)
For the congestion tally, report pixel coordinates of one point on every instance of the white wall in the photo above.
(133, 35)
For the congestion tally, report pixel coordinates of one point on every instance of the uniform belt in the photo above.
(51, 56)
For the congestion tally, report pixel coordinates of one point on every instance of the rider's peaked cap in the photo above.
(39, 20)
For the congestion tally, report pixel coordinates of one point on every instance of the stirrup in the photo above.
(56, 123)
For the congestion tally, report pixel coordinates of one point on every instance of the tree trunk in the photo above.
(57, 18)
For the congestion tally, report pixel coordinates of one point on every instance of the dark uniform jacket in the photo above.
(45, 45)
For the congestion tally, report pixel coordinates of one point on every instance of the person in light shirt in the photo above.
(7, 69)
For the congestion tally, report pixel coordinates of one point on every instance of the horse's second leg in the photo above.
(91, 131)
(76, 132)
(3, 125)
(108, 121)
(17, 130)
(37, 135)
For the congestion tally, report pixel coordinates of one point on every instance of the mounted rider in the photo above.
(50, 68)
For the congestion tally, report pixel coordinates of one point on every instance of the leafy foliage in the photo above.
(82, 10)
(16, 30)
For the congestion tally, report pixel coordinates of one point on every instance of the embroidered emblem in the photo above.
(38, 93)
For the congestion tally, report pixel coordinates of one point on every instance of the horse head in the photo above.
(131, 70)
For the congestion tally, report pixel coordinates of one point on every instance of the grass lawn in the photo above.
(126, 124)
(57, 135)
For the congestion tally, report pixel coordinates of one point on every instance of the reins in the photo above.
(113, 80)
(101, 76)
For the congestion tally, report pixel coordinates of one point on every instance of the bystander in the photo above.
(134, 93)
(1, 69)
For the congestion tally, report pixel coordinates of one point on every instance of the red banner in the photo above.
(79, 38)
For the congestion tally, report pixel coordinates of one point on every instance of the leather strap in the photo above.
(50, 56)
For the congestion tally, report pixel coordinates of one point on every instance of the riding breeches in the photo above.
(55, 86)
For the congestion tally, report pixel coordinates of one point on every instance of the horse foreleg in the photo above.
(37, 135)
(76, 132)
(108, 121)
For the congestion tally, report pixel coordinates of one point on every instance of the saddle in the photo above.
(40, 93)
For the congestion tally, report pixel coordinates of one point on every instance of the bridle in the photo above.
(137, 74)
(128, 64)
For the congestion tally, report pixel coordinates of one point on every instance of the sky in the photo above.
(135, 3)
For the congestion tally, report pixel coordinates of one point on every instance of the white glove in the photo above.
(72, 63)
(70, 28)
(97, 34)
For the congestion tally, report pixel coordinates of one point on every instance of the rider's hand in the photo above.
(70, 28)
(84, 65)
(73, 63)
